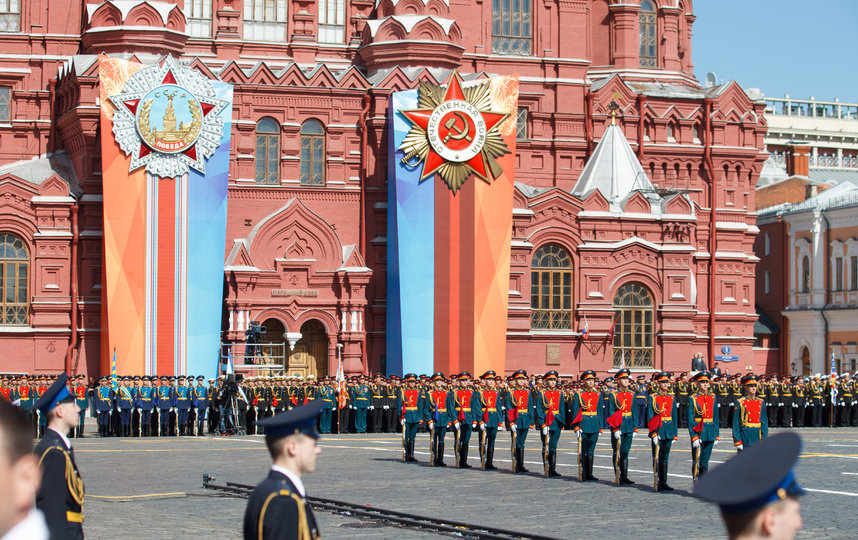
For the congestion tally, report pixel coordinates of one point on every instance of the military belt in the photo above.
(491, 409)
(589, 413)
(75, 517)
(751, 425)
(410, 408)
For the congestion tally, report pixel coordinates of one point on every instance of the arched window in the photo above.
(14, 279)
(648, 48)
(511, 27)
(633, 326)
(695, 133)
(805, 274)
(312, 153)
(551, 289)
(805, 361)
(267, 151)
(671, 132)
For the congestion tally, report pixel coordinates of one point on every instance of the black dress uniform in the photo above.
(277, 510)
(60, 495)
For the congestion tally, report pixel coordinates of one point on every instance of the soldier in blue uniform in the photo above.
(438, 414)
(662, 412)
(623, 420)
(550, 407)
(166, 402)
(202, 398)
(103, 406)
(328, 397)
(703, 424)
(587, 422)
(125, 403)
(522, 411)
(409, 406)
(183, 405)
(60, 494)
(146, 402)
(361, 395)
(278, 507)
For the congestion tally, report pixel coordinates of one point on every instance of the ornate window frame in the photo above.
(648, 34)
(512, 27)
(551, 288)
(634, 326)
(312, 157)
(14, 268)
(266, 165)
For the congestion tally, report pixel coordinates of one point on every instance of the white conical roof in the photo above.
(613, 169)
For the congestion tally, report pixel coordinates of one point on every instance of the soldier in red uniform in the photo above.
(662, 414)
(466, 410)
(750, 422)
(521, 407)
(703, 424)
(491, 418)
(438, 414)
(587, 418)
(410, 406)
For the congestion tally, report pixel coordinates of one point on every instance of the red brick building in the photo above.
(610, 224)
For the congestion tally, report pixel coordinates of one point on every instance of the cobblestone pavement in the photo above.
(152, 488)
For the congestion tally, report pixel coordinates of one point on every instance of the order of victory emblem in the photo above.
(454, 134)
(168, 119)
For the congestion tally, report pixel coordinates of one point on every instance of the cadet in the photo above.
(757, 491)
(661, 420)
(60, 495)
(703, 425)
(376, 408)
(640, 401)
(491, 417)
(278, 507)
(623, 420)
(682, 391)
(466, 405)
(410, 405)
(391, 395)
(587, 422)
(361, 396)
(750, 422)
(438, 414)
(522, 410)
(103, 406)
(550, 406)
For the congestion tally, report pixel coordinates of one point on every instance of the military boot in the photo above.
(439, 456)
(490, 455)
(463, 458)
(519, 460)
(552, 465)
(624, 472)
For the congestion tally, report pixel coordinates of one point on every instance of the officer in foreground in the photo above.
(757, 491)
(60, 496)
(278, 507)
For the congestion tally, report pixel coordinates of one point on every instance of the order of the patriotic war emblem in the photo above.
(168, 119)
(454, 133)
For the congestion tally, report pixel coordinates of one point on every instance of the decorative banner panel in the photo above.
(450, 196)
(164, 174)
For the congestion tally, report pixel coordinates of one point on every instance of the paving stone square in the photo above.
(152, 488)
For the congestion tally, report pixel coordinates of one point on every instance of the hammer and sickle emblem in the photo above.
(452, 125)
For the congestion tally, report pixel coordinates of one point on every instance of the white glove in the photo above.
(740, 447)
(431, 425)
(456, 424)
(482, 426)
(634, 434)
(172, 409)
(715, 443)
(545, 430)
(402, 421)
(655, 440)
(617, 434)
(695, 443)
(512, 428)
(578, 433)
(372, 407)
(386, 407)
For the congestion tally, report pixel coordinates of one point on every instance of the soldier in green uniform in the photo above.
(550, 406)
(82, 400)
(623, 420)
(682, 390)
(410, 405)
(587, 422)
(491, 417)
(438, 414)
(703, 424)
(328, 397)
(662, 415)
(361, 400)
(465, 401)
(522, 409)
